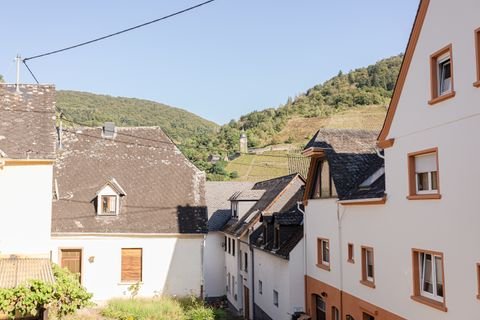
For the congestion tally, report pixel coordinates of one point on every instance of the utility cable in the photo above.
(29, 70)
(119, 32)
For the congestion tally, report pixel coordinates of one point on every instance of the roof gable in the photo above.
(383, 140)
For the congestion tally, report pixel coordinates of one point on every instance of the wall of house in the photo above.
(25, 209)
(284, 276)
(214, 265)
(170, 265)
(232, 268)
(244, 206)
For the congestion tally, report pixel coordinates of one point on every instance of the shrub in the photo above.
(63, 297)
(234, 174)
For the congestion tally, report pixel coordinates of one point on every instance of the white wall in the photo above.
(171, 265)
(25, 209)
(231, 266)
(214, 265)
(243, 207)
(284, 276)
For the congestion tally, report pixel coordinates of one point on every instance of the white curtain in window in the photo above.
(426, 163)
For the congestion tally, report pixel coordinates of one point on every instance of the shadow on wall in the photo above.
(192, 219)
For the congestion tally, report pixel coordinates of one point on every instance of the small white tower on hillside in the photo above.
(243, 143)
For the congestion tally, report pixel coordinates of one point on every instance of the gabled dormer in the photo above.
(322, 183)
(108, 198)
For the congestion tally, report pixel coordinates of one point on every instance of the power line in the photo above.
(117, 33)
(29, 70)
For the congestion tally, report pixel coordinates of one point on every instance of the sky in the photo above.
(219, 61)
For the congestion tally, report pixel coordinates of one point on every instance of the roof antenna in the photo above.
(18, 59)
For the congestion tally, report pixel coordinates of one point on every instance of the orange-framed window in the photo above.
(351, 253)
(477, 56)
(423, 175)
(323, 253)
(441, 75)
(368, 267)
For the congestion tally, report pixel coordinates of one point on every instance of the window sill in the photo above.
(429, 302)
(433, 196)
(441, 98)
(351, 261)
(324, 267)
(476, 84)
(368, 283)
(478, 296)
(129, 283)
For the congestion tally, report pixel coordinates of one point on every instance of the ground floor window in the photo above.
(320, 308)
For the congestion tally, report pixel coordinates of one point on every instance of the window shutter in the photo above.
(426, 163)
(131, 265)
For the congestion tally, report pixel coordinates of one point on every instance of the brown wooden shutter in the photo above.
(131, 265)
(72, 260)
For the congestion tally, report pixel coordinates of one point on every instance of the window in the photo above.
(240, 256)
(323, 186)
(368, 277)
(350, 253)
(109, 204)
(246, 261)
(229, 245)
(225, 243)
(423, 175)
(233, 247)
(131, 265)
(335, 314)
(275, 298)
(323, 253)
(477, 49)
(320, 308)
(260, 287)
(264, 234)
(366, 316)
(233, 288)
(229, 285)
(441, 69)
(234, 209)
(478, 280)
(429, 278)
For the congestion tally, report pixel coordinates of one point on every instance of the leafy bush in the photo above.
(234, 175)
(63, 297)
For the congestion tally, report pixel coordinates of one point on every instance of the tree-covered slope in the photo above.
(93, 110)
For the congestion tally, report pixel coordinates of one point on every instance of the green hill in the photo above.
(94, 109)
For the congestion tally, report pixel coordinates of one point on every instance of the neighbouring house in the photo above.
(217, 194)
(278, 263)
(247, 207)
(129, 209)
(402, 242)
(27, 156)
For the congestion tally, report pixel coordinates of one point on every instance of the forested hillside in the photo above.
(93, 110)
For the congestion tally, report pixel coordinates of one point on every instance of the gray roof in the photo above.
(276, 197)
(344, 140)
(27, 122)
(165, 193)
(247, 195)
(217, 194)
(15, 271)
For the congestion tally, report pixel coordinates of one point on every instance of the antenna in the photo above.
(18, 59)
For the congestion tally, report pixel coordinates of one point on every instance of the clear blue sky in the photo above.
(220, 61)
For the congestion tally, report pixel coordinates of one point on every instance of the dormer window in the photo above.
(323, 186)
(108, 198)
(276, 237)
(109, 204)
(234, 209)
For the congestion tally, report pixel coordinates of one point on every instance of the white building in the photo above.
(265, 197)
(130, 209)
(410, 252)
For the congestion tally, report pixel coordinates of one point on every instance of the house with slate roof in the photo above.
(278, 262)
(398, 239)
(27, 156)
(129, 208)
(217, 194)
(247, 208)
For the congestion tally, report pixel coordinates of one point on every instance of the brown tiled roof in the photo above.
(344, 140)
(165, 193)
(15, 271)
(27, 122)
(275, 198)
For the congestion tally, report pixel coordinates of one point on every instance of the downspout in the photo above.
(253, 279)
(340, 239)
(379, 154)
(304, 254)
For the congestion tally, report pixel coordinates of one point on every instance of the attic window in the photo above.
(109, 204)
(323, 186)
(441, 69)
(373, 178)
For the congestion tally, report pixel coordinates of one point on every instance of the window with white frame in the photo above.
(444, 74)
(234, 208)
(431, 275)
(108, 204)
(368, 275)
(323, 253)
(275, 298)
(426, 173)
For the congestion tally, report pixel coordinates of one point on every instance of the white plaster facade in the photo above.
(284, 276)
(214, 265)
(448, 225)
(26, 208)
(170, 264)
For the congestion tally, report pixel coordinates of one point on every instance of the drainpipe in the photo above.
(340, 238)
(379, 154)
(304, 254)
(253, 279)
